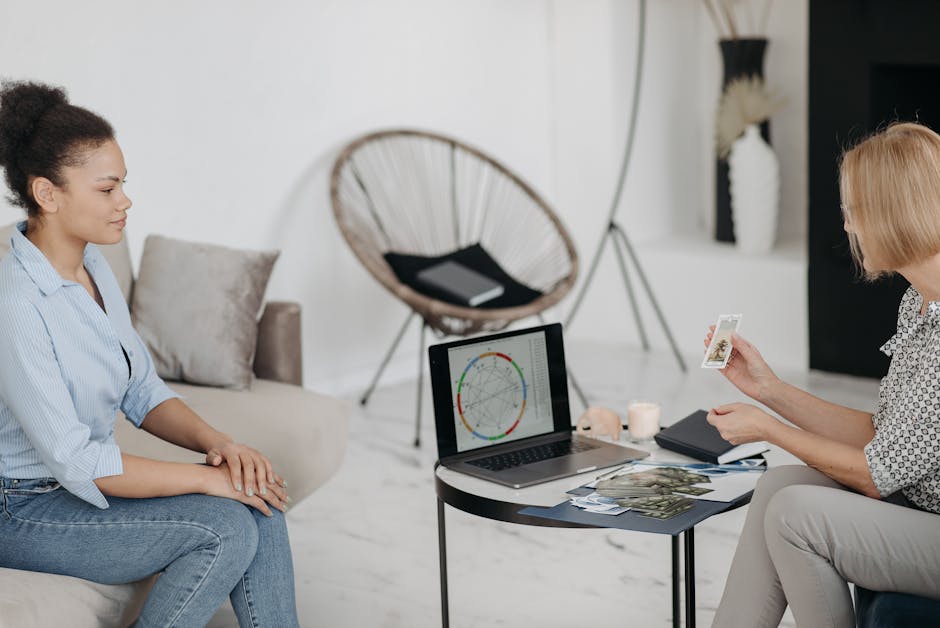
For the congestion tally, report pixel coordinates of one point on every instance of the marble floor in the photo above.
(365, 545)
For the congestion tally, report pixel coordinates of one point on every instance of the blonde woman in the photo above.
(864, 509)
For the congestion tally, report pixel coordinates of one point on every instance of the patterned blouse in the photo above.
(905, 452)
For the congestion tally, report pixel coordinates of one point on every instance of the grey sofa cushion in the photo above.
(37, 599)
(196, 307)
(6, 232)
(119, 259)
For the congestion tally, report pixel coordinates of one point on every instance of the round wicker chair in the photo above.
(407, 199)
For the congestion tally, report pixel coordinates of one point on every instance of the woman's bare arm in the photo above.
(144, 477)
(745, 423)
(249, 469)
(818, 416)
(750, 374)
(175, 422)
(840, 461)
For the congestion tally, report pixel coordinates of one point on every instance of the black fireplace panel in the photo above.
(872, 62)
(904, 92)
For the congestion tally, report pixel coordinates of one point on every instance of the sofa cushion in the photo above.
(40, 599)
(6, 232)
(119, 259)
(302, 432)
(196, 307)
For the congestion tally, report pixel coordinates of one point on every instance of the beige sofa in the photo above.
(304, 434)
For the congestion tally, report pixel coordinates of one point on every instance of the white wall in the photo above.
(230, 116)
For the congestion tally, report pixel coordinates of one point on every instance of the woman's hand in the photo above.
(740, 423)
(218, 483)
(248, 468)
(746, 368)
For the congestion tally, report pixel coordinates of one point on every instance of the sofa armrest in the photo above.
(278, 351)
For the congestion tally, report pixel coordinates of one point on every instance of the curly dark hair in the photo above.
(40, 133)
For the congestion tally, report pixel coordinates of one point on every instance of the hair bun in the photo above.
(22, 106)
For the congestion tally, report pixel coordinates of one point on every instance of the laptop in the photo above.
(501, 410)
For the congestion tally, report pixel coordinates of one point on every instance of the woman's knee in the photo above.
(238, 526)
(796, 513)
(777, 478)
(234, 529)
(272, 531)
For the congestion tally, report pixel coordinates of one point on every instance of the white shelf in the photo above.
(702, 247)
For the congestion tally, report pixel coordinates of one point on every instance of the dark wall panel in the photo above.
(871, 62)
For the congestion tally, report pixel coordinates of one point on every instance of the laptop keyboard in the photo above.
(536, 453)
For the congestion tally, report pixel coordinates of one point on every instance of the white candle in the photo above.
(643, 419)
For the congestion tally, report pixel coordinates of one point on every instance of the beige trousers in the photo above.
(806, 536)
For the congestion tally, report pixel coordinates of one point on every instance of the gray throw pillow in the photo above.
(196, 307)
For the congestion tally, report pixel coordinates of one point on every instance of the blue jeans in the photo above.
(206, 547)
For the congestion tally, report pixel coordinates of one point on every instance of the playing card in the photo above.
(598, 504)
(693, 490)
(668, 515)
(719, 350)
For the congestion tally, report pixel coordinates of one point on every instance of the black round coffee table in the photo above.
(501, 503)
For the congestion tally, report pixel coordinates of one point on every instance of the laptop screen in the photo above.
(499, 389)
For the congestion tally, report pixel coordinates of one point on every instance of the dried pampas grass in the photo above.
(745, 101)
(727, 16)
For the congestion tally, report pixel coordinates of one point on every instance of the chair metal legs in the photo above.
(388, 356)
(424, 328)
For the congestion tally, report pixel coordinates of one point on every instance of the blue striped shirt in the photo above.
(64, 374)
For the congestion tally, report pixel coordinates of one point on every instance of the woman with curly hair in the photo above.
(72, 502)
(864, 509)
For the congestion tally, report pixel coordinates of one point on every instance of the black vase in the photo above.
(741, 58)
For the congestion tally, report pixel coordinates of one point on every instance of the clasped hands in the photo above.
(740, 423)
(246, 475)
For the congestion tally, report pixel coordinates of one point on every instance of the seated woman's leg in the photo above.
(753, 597)
(265, 594)
(820, 538)
(202, 544)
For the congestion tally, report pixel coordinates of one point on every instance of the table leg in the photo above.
(675, 581)
(442, 555)
(690, 578)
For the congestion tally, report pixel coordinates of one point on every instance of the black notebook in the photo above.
(694, 436)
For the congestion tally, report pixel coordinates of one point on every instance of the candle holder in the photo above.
(643, 421)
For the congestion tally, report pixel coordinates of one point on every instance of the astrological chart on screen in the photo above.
(501, 390)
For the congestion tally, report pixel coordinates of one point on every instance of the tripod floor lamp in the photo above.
(614, 233)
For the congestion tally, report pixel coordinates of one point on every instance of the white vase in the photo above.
(754, 176)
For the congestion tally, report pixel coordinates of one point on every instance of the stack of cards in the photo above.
(660, 506)
(719, 349)
(659, 493)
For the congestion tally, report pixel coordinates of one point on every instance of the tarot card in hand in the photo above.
(719, 350)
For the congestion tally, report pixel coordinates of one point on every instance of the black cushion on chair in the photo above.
(874, 609)
(407, 267)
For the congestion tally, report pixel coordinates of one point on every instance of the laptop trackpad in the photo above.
(565, 465)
